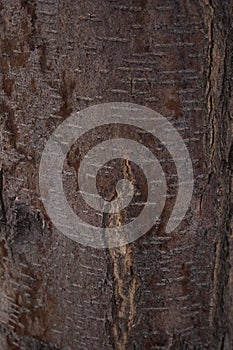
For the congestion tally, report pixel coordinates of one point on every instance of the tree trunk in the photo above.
(161, 291)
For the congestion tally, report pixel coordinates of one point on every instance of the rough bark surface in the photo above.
(160, 292)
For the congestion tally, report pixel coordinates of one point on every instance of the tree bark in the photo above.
(161, 291)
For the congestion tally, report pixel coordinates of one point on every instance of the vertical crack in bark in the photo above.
(2, 204)
(217, 21)
(214, 298)
(124, 286)
(211, 75)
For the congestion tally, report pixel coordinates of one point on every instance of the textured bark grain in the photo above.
(161, 291)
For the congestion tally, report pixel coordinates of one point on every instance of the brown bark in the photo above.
(160, 292)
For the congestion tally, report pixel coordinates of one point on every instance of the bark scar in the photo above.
(124, 287)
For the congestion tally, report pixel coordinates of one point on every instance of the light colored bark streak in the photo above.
(125, 285)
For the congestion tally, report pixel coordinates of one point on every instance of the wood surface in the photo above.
(162, 291)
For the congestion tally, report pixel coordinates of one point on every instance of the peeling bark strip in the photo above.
(161, 292)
